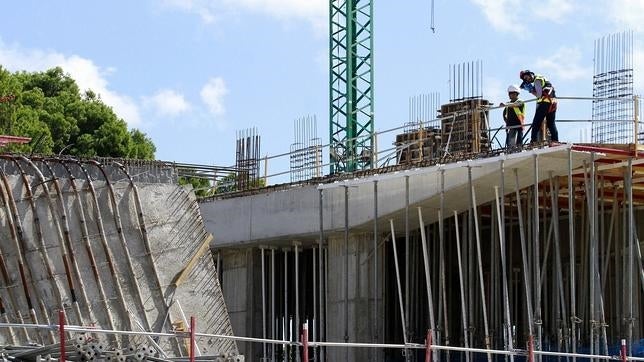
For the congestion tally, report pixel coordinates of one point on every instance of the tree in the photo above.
(49, 107)
(229, 183)
(201, 186)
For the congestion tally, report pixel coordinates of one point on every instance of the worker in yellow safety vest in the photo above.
(541, 88)
(514, 117)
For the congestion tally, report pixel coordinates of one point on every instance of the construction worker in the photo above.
(514, 116)
(541, 88)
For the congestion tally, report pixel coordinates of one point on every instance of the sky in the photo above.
(192, 73)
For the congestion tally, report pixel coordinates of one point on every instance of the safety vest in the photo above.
(547, 90)
(516, 117)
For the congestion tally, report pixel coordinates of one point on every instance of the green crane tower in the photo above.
(351, 85)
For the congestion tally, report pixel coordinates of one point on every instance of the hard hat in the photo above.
(513, 89)
(524, 72)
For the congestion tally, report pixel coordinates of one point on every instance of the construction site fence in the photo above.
(304, 345)
(275, 168)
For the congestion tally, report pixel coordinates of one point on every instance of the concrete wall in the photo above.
(110, 259)
(294, 213)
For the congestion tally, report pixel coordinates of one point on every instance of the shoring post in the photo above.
(305, 342)
(428, 347)
(622, 352)
(531, 348)
(192, 339)
(61, 330)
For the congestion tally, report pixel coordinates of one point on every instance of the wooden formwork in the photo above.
(418, 145)
(464, 126)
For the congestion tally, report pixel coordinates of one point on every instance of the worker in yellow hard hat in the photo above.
(514, 117)
(541, 88)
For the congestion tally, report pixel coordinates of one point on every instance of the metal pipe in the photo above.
(400, 297)
(114, 272)
(486, 327)
(86, 242)
(160, 298)
(571, 251)
(428, 281)
(263, 302)
(66, 247)
(628, 187)
(590, 195)
(322, 326)
(6, 276)
(375, 265)
(21, 243)
(443, 281)
(315, 304)
(462, 289)
(285, 324)
(119, 230)
(407, 260)
(273, 317)
(524, 256)
(537, 271)
(506, 300)
(502, 244)
(297, 295)
(554, 198)
(346, 267)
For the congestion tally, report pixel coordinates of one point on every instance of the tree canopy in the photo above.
(50, 108)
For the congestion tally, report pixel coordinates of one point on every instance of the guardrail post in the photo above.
(623, 351)
(192, 339)
(428, 347)
(61, 330)
(305, 342)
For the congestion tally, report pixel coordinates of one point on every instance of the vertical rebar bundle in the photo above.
(613, 59)
(466, 80)
(306, 150)
(247, 158)
(423, 109)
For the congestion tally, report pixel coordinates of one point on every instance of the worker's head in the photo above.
(513, 92)
(526, 76)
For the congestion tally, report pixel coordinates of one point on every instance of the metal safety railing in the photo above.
(388, 156)
(304, 345)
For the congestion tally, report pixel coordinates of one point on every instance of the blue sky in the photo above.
(190, 73)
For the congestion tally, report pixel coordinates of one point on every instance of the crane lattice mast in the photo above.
(351, 86)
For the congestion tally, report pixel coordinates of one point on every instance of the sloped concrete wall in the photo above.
(109, 252)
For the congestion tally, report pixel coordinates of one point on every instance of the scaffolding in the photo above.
(535, 253)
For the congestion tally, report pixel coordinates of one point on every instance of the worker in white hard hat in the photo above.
(514, 117)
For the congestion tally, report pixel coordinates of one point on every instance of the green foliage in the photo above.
(49, 107)
(201, 186)
(228, 183)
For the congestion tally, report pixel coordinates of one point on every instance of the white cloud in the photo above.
(212, 94)
(313, 11)
(553, 10)
(507, 15)
(565, 64)
(498, 13)
(627, 13)
(167, 103)
(87, 75)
